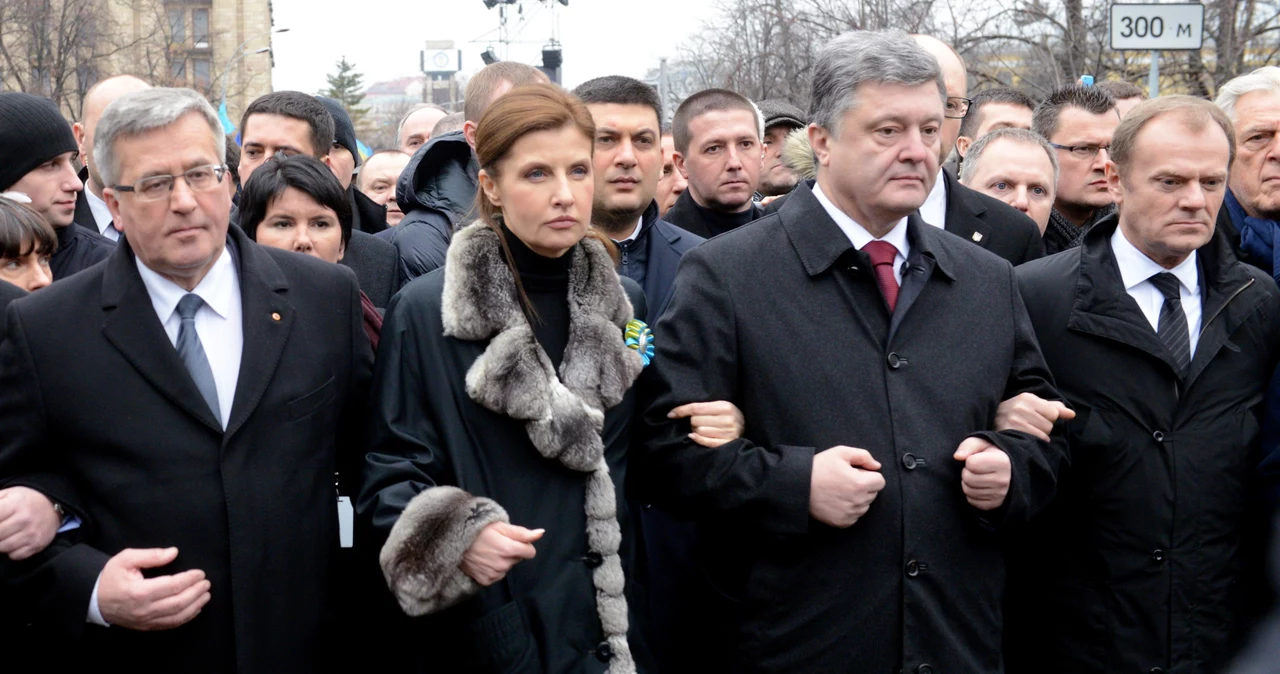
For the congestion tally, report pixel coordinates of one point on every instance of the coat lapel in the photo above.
(268, 318)
(964, 213)
(132, 327)
(1224, 303)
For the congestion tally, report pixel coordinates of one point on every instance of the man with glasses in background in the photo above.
(1078, 122)
(968, 214)
(205, 491)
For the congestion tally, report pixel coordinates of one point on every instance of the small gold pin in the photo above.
(977, 236)
(275, 316)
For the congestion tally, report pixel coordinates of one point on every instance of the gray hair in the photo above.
(852, 58)
(1266, 78)
(144, 111)
(974, 156)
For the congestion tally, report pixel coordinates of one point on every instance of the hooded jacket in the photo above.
(435, 191)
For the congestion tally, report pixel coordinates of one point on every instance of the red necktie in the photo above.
(882, 256)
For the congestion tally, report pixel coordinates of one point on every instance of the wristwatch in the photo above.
(63, 515)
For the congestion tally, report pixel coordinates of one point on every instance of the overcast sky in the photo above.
(383, 37)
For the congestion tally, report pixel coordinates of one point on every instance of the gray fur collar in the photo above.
(564, 414)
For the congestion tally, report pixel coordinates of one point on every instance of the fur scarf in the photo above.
(564, 417)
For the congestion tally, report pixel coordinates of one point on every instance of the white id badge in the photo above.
(346, 522)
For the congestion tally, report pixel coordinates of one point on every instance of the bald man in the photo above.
(971, 215)
(418, 126)
(91, 210)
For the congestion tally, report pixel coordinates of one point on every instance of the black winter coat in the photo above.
(436, 191)
(78, 249)
(428, 432)
(1134, 566)
(783, 318)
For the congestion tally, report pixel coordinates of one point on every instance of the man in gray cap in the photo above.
(780, 119)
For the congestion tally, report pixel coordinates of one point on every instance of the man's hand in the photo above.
(1031, 414)
(499, 547)
(986, 475)
(127, 599)
(28, 522)
(843, 484)
(714, 423)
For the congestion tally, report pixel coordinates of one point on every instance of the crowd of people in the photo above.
(907, 382)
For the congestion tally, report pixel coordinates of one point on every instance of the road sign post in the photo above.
(1157, 28)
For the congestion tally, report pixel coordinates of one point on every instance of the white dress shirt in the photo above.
(220, 325)
(934, 208)
(101, 215)
(860, 237)
(635, 233)
(1135, 271)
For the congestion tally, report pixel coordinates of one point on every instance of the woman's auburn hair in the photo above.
(527, 109)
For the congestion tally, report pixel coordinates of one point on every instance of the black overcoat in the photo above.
(1133, 568)
(148, 466)
(782, 318)
(428, 432)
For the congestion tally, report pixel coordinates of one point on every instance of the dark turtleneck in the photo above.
(546, 282)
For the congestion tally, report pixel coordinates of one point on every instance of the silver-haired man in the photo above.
(856, 525)
(204, 492)
(1250, 216)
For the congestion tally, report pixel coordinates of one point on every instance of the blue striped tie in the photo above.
(191, 351)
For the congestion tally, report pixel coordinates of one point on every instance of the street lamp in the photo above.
(236, 55)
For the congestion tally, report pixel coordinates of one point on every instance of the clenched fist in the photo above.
(499, 547)
(986, 475)
(843, 484)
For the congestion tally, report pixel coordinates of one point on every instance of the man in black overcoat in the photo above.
(201, 517)
(1163, 343)
(857, 525)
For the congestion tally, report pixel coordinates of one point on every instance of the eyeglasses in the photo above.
(957, 107)
(1082, 151)
(155, 188)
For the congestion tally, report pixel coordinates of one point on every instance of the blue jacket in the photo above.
(651, 259)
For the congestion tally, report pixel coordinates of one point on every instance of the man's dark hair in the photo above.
(305, 174)
(23, 231)
(619, 90)
(295, 105)
(233, 161)
(973, 120)
(1119, 89)
(1092, 100)
(703, 102)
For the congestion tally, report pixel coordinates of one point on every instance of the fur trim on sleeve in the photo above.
(422, 556)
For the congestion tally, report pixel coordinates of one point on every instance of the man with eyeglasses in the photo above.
(38, 158)
(1078, 122)
(968, 214)
(200, 508)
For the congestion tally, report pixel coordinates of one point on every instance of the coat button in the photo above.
(593, 559)
(913, 568)
(909, 461)
(1158, 436)
(1157, 555)
(924, 669)
(604, 652)
(894, 361)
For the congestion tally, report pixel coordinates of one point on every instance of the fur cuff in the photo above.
(422, 557)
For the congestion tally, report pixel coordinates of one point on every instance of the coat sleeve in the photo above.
(55, 585)
(1036, 464)
(354, 421)
(696, 359)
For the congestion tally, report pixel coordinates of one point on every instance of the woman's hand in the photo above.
(499, 547)
(714, 423)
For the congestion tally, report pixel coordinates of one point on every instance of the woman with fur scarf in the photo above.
(503, 400)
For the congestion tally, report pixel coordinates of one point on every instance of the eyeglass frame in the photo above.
(1072, 149)
(219, 172)
(968, 103)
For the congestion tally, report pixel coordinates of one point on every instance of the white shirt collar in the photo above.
(635, 233)
(1136, 267)
(218, 288)
(934, 208)
(858, 235)
(101, 214)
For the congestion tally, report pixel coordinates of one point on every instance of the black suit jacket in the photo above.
(374, 262)
(991, 223)
(252, 506)
(783, 318)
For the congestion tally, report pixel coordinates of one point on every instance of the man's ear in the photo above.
(820, 140)
(1113, 183)
(678, 159)
(469, 132)
(490, 187)
(77, 130)
(962, 145)
(113, 205)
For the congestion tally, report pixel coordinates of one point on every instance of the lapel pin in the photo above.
(275, 316)
(977, 236)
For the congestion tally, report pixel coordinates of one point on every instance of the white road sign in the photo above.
(1157, 27)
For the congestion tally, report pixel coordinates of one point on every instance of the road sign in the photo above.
(1157, 27)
